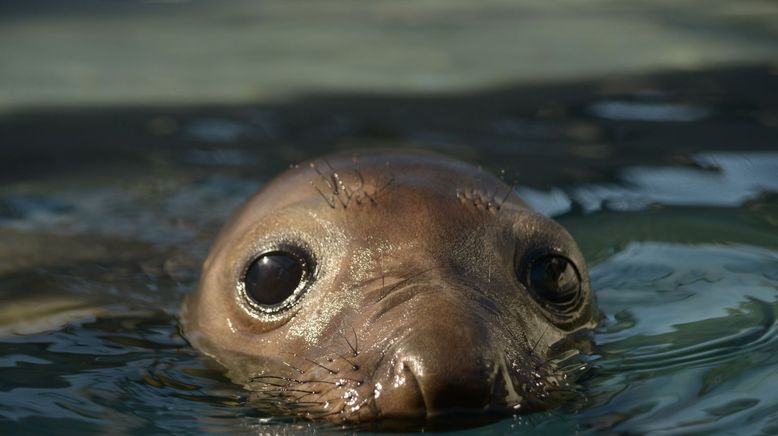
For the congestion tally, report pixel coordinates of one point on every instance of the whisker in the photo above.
(353, 349)
(317, 381)
(532, 350)
(331, 371)
(275, 377)
(327, 162)
(301, 391)
(294, 367)
(383, 273)
(386, 291)
(274, 384)
(354, 366)
(504, 199)
(299, 399)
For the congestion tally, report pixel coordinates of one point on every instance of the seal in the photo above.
(394, 287)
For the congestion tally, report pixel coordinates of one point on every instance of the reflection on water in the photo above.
(725, 179)
(106, 215)
(715, 179)
(648, 111)
(85, 209)
(689, 341)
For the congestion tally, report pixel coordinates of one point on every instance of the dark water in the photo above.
(672, 195)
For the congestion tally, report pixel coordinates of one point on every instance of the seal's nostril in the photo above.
(407, 373)
(440, 377)
(400, 395)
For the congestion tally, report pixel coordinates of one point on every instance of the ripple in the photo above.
(160, 212)
(116, 374)
(697, 364)
(715, 179)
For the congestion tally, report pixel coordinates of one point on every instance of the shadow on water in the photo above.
(549, 134)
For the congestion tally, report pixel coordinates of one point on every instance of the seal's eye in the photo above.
(272, 279)
(555, 281)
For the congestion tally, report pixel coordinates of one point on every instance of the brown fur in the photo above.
(415, 310)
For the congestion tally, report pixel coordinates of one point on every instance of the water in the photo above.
(668, 181)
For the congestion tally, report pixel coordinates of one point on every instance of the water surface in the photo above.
(667, 180)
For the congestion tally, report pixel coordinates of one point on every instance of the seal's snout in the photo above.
(441, 368)
(441, 383)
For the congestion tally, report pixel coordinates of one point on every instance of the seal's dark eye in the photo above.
(554, 280)
(273, 278)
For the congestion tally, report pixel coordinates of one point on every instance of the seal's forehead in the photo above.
(373, 191)
(344, 181)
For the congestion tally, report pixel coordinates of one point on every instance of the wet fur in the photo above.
(346, 373)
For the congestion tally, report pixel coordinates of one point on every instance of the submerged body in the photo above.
(382, 286)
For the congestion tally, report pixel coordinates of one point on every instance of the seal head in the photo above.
(393, 287)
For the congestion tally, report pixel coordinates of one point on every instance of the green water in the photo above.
(121, 158)
(683, 248)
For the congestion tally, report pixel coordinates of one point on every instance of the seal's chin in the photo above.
(399, 396)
